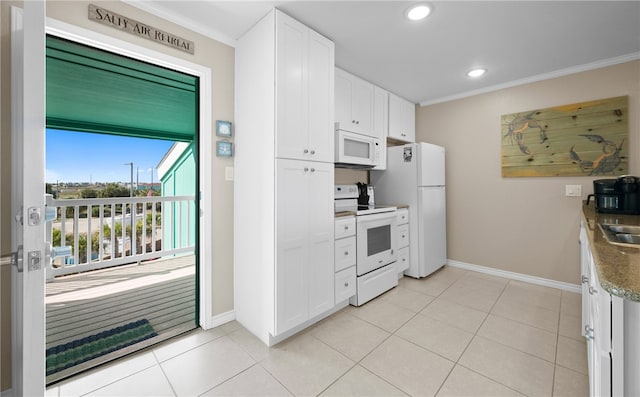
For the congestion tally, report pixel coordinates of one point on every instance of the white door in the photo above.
(28, 231)
(363, 106)
(292, 301)
(319, 206)
(292, 89)
(321, 96)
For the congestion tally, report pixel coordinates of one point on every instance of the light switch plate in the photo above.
(573, 190)
(228, 173)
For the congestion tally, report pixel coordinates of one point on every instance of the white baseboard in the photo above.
(517, 276)
(217, 320)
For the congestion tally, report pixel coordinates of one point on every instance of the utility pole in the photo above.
(132, 211)
(131, 185)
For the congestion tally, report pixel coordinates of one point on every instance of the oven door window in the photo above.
(378, 239)
(356, 149)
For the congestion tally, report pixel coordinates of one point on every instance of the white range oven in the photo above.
(375, 239)
(376, 244)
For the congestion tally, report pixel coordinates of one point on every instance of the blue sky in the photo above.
(84, 157)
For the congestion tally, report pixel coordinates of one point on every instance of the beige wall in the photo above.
(209, 53)
(523, 225)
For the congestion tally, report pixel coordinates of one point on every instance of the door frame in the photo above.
(34, 308)
(205, 195)
(28, 125)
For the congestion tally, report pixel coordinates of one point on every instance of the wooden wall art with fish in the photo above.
(581, 139)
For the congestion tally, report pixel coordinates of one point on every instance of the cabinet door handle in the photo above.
(403, 236)
(346, 283)
(313, 152)
(306, 151)
(593, 291)
(306, 169)
(353, 121)
(585, 279)
(313, 170)
(346, 253)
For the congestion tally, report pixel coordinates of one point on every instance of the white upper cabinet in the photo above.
(304, 92)
(381, 123)
(354, 103)
(380, 113)
(402, 119)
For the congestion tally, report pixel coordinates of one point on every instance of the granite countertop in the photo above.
(618, 266)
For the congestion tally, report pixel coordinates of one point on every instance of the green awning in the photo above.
(91, 90)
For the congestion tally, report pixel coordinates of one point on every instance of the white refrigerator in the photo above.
(415, 176)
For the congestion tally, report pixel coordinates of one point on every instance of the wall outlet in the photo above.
(573, 190)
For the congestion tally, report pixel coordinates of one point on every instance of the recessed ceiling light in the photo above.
(418, 12)
(476, 72)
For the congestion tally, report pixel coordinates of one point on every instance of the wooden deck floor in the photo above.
(162, 291)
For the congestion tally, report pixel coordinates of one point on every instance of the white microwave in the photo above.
(357, 151)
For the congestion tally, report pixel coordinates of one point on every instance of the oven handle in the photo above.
(376, 217)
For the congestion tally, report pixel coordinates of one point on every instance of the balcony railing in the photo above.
(91, 234)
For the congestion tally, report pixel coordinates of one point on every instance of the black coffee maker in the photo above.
(363, 194)
(617, 196)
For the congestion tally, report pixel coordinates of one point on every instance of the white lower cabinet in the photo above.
(305, 252)
(345, 284)
(612, 331)
(345, 253)
(402, 263)
(345, 258)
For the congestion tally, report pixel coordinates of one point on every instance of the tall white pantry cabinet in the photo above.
(284, 177)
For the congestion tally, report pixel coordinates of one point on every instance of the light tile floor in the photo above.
(455, 333)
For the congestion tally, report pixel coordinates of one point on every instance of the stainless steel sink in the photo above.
(627, 229)
(621, 234)
(628, 238)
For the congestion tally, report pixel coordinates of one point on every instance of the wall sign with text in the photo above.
(132, 26)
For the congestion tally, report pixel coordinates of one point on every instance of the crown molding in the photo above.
(540, 77)
(186, 23)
